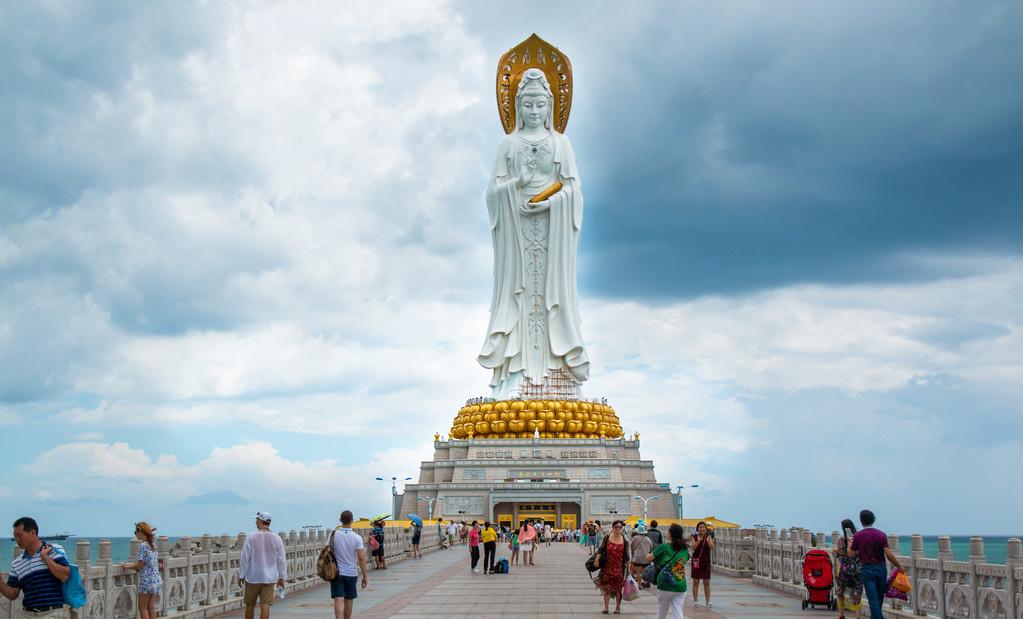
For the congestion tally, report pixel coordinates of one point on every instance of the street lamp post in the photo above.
(430, 500)
(394, 484)
(679, 495)
(395, 507)
(646, 502)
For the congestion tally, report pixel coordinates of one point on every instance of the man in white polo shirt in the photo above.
(349, 551)
(39, 572)
(263, 563)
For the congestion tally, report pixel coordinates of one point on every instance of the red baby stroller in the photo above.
(818, 576)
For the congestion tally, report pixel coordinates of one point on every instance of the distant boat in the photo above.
(59, 537)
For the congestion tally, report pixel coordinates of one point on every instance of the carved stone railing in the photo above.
(942, 587)
(734, 553)
(200, 575)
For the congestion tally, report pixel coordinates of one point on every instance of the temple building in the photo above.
(560, 466)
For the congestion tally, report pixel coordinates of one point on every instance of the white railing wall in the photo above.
(200, 575)
(942, 587)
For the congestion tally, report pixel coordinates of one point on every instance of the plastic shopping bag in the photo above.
(893, 591)
(901, 582)
(631, 590)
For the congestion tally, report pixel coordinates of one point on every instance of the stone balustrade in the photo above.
(200, 575)
(942, 587)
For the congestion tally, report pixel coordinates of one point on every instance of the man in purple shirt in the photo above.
(871, 545)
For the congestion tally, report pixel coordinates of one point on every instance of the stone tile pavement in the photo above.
(440, 585)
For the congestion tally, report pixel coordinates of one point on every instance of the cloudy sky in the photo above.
(245, 263)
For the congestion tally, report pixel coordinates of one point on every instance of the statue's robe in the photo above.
(504, 350)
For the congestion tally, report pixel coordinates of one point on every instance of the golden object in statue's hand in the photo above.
(546, 193)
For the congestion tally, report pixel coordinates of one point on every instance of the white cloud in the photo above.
(7, 416)
(851, 338)
(121, 475)
(299, 245)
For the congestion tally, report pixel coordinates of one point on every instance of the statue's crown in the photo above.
(533, 82)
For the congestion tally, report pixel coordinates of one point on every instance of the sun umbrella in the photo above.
(383, 516)
(416, 519)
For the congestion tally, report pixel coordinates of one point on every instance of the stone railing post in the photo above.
(976, 558)
(1014, 561)
(206, 565)
(893, 544)
(916, 552)
(234, 565)
(303, 543)
(161, 551)
(82, 558)
(186, 543)
(294, 555)
(822, 540)
(104, 561)
(224, 566)
(976, 549)
(944, 554)
(764, 535)
(797, 559)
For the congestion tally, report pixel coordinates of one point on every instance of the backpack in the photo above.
(848, 572)
(326, 563)
(667, 576)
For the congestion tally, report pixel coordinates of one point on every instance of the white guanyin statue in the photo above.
(534, 340)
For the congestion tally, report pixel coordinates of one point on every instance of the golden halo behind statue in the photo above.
(534, 52)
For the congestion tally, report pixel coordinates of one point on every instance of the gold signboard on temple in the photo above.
(536, 474)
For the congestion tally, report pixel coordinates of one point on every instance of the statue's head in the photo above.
(534, 103)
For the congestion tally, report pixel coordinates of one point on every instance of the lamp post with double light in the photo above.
(679, 496)
(430, 500)
(646, 503)
(395, 506)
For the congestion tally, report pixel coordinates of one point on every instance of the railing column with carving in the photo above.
(161, 549)
(916, 554)
(1014, 562)
(944, 554)
(186, 542)
(976, 558)
(104, 561)
(82, 558)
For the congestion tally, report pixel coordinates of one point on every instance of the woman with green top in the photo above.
(670, 561)
(513, 546)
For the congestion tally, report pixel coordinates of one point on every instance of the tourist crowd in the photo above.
(622, 563)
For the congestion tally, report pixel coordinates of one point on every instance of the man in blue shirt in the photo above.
(39, 572)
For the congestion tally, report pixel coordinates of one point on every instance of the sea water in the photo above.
(996, 548)
(120, 547)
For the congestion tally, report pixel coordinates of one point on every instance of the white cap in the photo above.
(264, 516)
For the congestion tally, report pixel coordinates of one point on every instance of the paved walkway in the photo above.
(440, 585)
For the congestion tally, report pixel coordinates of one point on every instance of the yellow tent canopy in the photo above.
(664, 523)
(366, 523)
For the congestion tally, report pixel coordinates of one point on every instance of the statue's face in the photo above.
(535, 109)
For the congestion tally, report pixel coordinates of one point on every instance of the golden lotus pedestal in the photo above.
(524, 418)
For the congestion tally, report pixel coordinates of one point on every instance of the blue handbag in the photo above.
(74, 589)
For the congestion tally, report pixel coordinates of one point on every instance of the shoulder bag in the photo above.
(326, 563)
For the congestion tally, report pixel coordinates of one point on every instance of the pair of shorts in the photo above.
(415, 540)
(263, 591)
(379, 552)
(346, 587)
